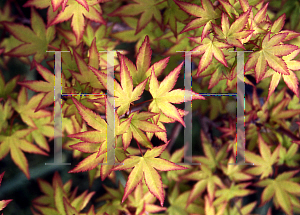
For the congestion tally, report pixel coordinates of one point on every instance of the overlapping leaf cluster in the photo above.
(212, 30)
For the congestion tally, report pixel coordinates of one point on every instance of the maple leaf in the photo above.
(71, 126)
(210, 48)
(113, 199)
(182, 42)
(27, 108)
(138, 124)
(75, 10)
(269, 52)
(85, 75)
(144, 168)
(174, 176)
(5, 13)
(211, 159)
(3, 203)
(93, 138)
(15, 143)
(101, 33)
(245, 209)
(229, 7)
(206, 16)
(139, 72)
(264, 162)
(282, 189)
(42, 86)
(125, 94)
(63, 3)
(178, 203)
(224, 195)
(142, 69)
(288, 157)
(291, 80)
(8, 44)
(206, 179)
(142, 200)
(163, 97)
(43, 128)
(235, 172)
(58, 200)
(56, 3)
(35, 42)
(6, 113)
(173, 14)
(234, 33)
(148, 9)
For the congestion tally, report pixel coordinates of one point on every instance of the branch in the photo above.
(288, 133)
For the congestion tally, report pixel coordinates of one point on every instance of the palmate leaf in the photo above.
(113, 198)
(86, 75)
(209, 48)
(234, 33)
(206, 16)
(268, 54)
(5, 13)
(69, 108)
(291, 80)
(16, 144)
(63, 3)
(144, 168)
(264, 162)
(174, 176)
(212, 159)
(27, 108)
(163, 97)
(59, 200)
(35, 42)
(125, 94)
(178, 203)
(143, 200)
(147, 9)
(42, 86)
(142, 69)
(6, 113)
(282, 189)
(75, 10)
(138, 73)
(95, 142)
(139, 124)
(43, 128)
(7, 88)
(235, 190)
(205, 180)
(173, 14)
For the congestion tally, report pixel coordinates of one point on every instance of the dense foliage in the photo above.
(149, 98)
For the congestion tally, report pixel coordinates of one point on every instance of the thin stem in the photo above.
(53, 47)
(141, 103)
(238, 208)
(288, 133)
(18, 8)
(276, 172)
(140, 148)
(11, 123)
(254, 44)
